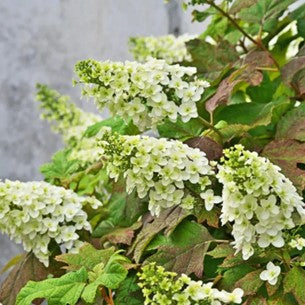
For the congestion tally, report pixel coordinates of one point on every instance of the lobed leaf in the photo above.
(28, 269)
(60, 291)
(289, 155)
(184, 250)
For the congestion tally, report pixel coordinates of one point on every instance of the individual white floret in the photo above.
(271, 274)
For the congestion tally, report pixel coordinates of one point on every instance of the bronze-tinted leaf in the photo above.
(168, 220)
(212, 149)
(211, 60)
(28, 269)
(292, 125)
(290, 69)
(221, 97)
(290, 156)
(250, 283)
(184, 250)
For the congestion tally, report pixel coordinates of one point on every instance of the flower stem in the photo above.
(207, 124)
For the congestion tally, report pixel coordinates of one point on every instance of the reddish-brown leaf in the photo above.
(289, 155)
(28, 269)
(290, 69)
(167, 221)
(212, 149)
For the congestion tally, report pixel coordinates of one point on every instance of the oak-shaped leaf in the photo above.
(184, 250)
(129, 292)
(109, 276)
(238, 5)
(88, 257)
(250, 283)
(292, 125)
(211, 60)
(122, 211)
(265, 13)
(116, 123)
(294, 283)
(27, 269)
(61, 167)
(167, 220)
(179, 130)
(58, 291)
(289, 155)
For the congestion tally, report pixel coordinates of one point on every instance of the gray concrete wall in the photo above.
(40, 41)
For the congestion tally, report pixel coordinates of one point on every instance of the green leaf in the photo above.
(87, 257)
(294, 283)
(253, 114)
(222, 250)
(60, 291)
(211, 60)
(265, 12)
(12, 262)
(27, 269)
(292, 125)
(288, 155)
(238, 5)
(184, 250)
(233, 274)
(263, 93)
(179, 130)
(61, 166)
(116, 123)
(129, 292)
(250, 283)
(168, 220)
(122, 211)
(111, 277)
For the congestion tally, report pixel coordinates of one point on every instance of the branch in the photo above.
(232, 20)
(211, 3)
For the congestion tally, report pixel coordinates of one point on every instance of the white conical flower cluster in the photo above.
(159, 168)
(170, 48)
(162, 287)
(147, 93)
(34, 213)
(257, 198)
(68, 120)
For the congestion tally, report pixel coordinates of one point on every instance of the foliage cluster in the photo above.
(209, 208)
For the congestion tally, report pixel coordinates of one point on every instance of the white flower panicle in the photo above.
(69, 120)
(159, 168)
(161, 287)
(257, 198)
(34, 213)
(148, 93)
(170, 48)
(271, 273)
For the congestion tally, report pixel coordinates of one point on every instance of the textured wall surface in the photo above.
(40, 41)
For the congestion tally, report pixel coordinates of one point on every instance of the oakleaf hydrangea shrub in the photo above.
(147, 93)
(192, 191)
(34, 213)
(170, 48)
